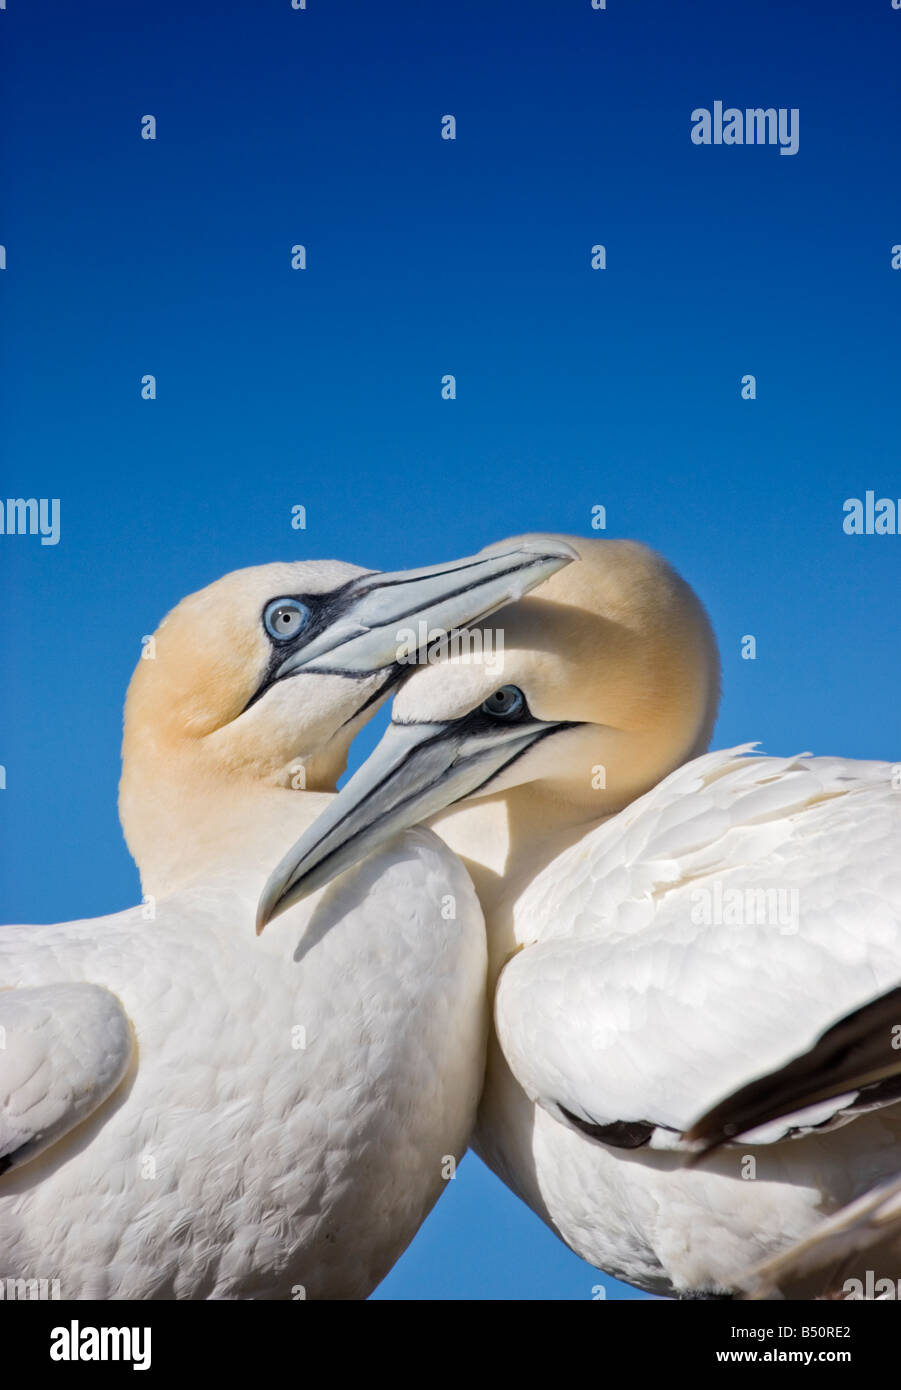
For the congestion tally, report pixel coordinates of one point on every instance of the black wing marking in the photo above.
(861, 1053)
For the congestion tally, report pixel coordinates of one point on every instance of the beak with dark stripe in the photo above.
(364, 626)
(413, 773)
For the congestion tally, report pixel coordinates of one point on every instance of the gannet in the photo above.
(190, 1111)
(665, 925)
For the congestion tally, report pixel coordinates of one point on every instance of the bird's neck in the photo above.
(505, 841)
(185, 830)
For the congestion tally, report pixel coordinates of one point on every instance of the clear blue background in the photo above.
(278, 387)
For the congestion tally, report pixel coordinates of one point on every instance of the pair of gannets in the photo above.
(666, 928)
(188, 1110)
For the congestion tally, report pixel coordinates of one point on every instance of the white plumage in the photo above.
(705, 982)
(663, 927)
(630, 1003)
(290, 1101)
(187, 1109)
(65, 1048)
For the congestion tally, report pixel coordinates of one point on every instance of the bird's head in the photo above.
(269, 672)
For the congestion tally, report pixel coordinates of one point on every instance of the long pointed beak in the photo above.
(372, 625)
(414, 772)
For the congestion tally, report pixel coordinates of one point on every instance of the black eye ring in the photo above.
(507, 703)
(284, 618)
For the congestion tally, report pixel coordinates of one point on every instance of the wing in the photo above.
(702, 938)
(860, 1055)
(64, 1048)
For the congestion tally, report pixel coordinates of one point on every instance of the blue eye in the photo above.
(506, 703)
(284, 618)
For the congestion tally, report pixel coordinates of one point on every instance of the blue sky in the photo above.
(322, 387)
